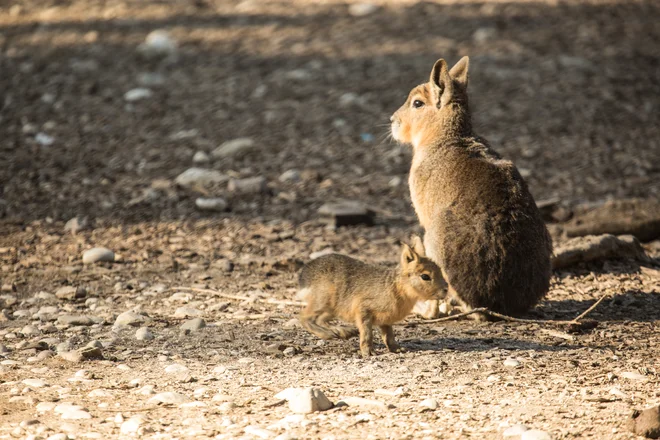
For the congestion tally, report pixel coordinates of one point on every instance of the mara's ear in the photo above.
(418, 245)
(408, 256)
(459, 72)
(442, 86)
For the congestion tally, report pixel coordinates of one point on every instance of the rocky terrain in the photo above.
(164, 167)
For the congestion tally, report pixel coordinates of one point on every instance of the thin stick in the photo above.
(241, 298)
(586, 312)
(214, 292)
(512, 319)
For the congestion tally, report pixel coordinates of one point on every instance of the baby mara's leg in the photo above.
(316, 322)
(387, 333)
(364, 324)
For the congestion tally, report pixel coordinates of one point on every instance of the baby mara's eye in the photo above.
(425, 277)
(417, 103)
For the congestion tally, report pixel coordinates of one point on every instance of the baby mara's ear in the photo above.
(442, 88)
(459, 73)
(418, 245)
(408, 256)
(442, 80)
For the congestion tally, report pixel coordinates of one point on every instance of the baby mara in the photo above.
(337, 286)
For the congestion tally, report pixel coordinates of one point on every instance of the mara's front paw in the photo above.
(396, 348)
(366, 352)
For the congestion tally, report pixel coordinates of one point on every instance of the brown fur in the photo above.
(337, 286)
(481, 224)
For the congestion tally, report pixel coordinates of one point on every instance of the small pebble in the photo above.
(130, 319)
(144, 334)
(235, 148)
(201, 158)
(169, 397)
(138, 94)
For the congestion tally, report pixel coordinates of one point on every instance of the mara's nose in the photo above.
(392, 118)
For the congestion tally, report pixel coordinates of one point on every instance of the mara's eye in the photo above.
(417, 103)
(425, 277)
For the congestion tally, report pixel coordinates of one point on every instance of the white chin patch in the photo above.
(395, 131)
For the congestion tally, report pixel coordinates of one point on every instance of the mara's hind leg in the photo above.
(310, 322)
(317, 323)
(340, 331)
(465, 307)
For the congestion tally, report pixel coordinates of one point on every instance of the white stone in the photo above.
(158, 43)
(44, 140)
(290, 176)
(188, 312)
(307, 400)
(146, 390)
(362, 9)
(216, 204)
(45, 406)
(176, 369)
(514, 431)
(169, 397)
(138, 94)
(35, 383)
(511, 363)
(535, 434)
(362, 403)
(258, 432)
(72, 412)
(129, 318)
(131, 425)
(633, 376)
(200, 176)
(98, 254)
(235, 148)
(200, 158)
(428, 404)
(144, 334)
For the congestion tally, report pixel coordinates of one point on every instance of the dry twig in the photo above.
(485, 311)
(239, 297)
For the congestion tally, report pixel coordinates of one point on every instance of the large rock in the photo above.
(645, 423)
(597, 247)
(305, 400)
(638, 217)
(347, 213)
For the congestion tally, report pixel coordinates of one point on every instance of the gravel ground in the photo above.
(284, 106)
